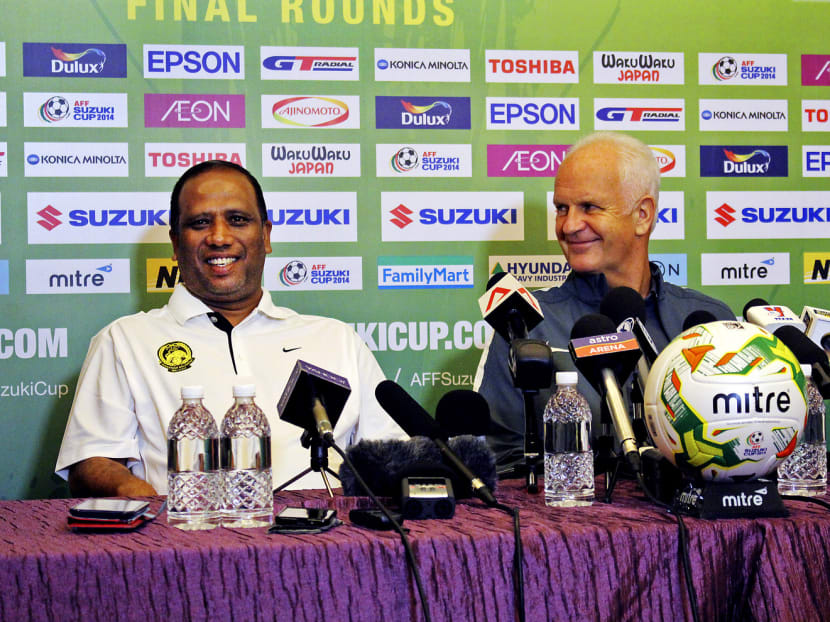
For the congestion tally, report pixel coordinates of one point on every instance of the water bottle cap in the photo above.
(244, 390)
(807, 369)
(193, 392)
(567, 377)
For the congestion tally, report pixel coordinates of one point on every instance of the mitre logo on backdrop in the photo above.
(743, 115)
(173, 159)
(313, 273)
(742, 69)
(639, 114)
(202, 110)
(815, 69)
(671, 159)
(311, 159)
(311, 111)
(194, 62)
(75, 60)
(815, 160)
(531, 66)
(421, 65)
(76, 159)
(434, 113)
(452, 216)
(75, 109)
(638, 68)
(815, 115)
(97, 217)
(421, 160)
(745, 268)
(309, 63)
(77, 276)
(772, 215)
(743, 161)
(312, 216)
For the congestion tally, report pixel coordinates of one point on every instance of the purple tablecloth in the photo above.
(605, 562)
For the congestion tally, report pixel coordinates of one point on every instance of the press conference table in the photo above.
(605, 562)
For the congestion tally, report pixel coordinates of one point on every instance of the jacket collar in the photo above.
(591, 288)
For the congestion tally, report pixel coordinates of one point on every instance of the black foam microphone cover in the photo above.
(695, 318)
(463, 411)
(622, 303)
(382, 464)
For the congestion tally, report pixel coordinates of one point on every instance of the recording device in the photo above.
(695, 318)
(606, 358)
(427, 497)
(415, 421)
(313, 399)
(374, 519)
(818, 326)
(303, 519)
(508, 307)
(122, 510)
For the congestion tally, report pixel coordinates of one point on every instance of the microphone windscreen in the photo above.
(805, 350)
(495, 278)
(479, 458)
(755, 302)
(592, 324)
(382, 464)
(405, 411)
(622, 303)
(463, 411)
(695, 318)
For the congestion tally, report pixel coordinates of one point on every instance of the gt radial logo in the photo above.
(724, 215)
(49, 218)
(401, 216)
(639, 114)
(310, 111)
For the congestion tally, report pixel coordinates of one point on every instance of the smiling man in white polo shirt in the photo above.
(218, 323)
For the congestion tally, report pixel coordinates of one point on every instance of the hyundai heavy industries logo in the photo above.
(772, 214)
(309, 63)
(75, 60)
(193, 111)
(743, 161)
(761, 69)
(639, 114)
(815, 69)
(437, 113)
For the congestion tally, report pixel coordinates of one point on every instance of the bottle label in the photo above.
(246, 452)
(193, 454)
(569, 437)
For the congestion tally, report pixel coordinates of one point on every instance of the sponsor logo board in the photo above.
(2, 109)
(531, 270)
(524, 160)
(671, 159)
(774, 215)
(300, 112)
(742, 69)
(638, 68)
(173, 159)
(816, 268)
(2, 59)
(639, 114)
(309, 63)
(313, 273)
(75, 60)
(75, 109)
(1, 222)
(76, 159)
(312, 216)
(451, 216)
(815, 69)
(4, 277)
(434, 113)
(421, 65)
(194, 62)
(162, 274)
(531, 66)
(311, 159)
(743, 161)
(673, 267)
(426, 272)
(193, 110)
(532, 113)
(745, 268)
(41, 342)
(77, 276)
(422, 160)
(815, 115)
(98, 217)
(743, 115)
(815, 160)
(4, 160)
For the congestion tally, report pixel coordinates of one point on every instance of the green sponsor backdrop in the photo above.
(31, 426)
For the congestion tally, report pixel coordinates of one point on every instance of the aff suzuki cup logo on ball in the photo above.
(726, 401)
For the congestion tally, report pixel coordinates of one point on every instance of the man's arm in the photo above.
(106, 477)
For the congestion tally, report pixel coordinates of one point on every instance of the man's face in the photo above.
(595, 226)
(221, 243)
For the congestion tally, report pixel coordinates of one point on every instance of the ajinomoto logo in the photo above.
(162, 275)
(311, 111)
(175, 356)
(816, 268)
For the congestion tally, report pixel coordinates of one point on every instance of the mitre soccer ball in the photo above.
(726, 401)
(726, 68)
(405, 159)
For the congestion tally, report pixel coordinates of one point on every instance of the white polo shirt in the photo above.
(128, 389)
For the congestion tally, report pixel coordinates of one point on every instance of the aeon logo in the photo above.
(724, 213)
(401, 214)
(49, 215)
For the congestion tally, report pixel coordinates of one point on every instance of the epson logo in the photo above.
(118, 218)
(26, 343)
(756, 402)
(533, 113)
(468, 216)
(197, 61)
(320, 216)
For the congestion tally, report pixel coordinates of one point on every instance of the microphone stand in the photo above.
(319, 461)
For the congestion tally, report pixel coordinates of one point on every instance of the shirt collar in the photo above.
(185, 306)
(592, 287)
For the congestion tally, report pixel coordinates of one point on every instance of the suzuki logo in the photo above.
(49, 215)
(401, 214)
(724, 213)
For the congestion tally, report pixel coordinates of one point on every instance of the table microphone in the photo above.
(626, 307)
(313, 399)
(509, 307)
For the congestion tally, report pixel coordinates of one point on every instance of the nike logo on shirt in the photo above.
(284, 349)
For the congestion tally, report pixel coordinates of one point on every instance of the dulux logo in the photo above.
(743, 161)
(440, 113)
(89, 60)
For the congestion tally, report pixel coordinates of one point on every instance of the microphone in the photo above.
(627, 309)
(771, 317)
(461, 412)
(607, 358)
(695, 318)
(313, 399)
(383, 463)
(818, 326)
(415, 421)
(508, 307)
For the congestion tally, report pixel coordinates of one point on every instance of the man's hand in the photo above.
(106, 477)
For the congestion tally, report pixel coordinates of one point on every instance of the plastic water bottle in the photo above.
(805, 471)
(246, 460)
(569, 461)
(194, 481)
